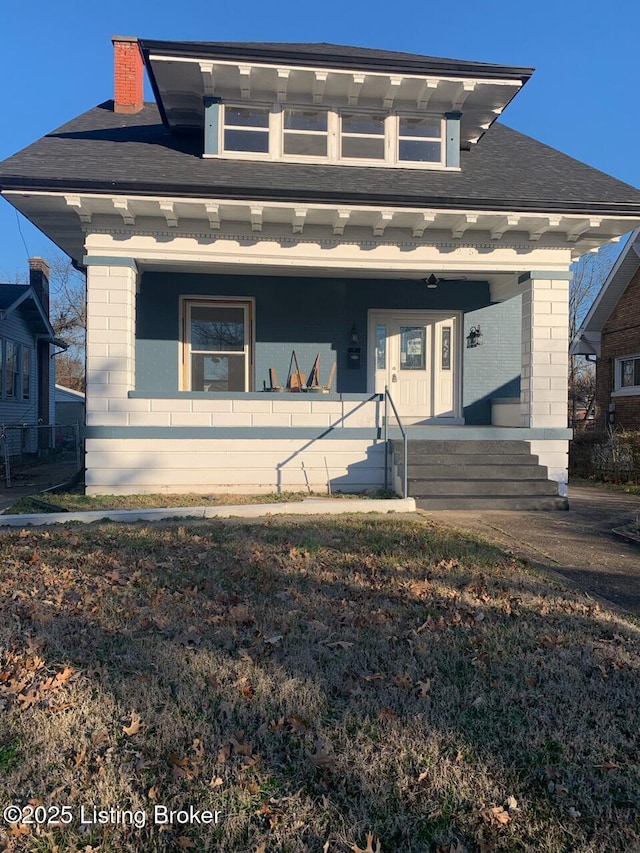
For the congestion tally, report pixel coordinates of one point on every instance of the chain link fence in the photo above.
(24, 447)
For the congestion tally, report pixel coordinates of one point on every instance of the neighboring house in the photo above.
(27, 369)
(70, 406)
(611, 333)
(361, 204)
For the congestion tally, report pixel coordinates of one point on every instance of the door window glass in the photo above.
(412, 347)
(381, 346)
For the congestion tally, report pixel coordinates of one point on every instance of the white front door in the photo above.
(415, 353)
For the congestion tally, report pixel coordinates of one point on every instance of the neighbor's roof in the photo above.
(587, 339)
(23, 296)
(332, 56)
(105, 152)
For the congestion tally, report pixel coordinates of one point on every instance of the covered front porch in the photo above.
(186, 334)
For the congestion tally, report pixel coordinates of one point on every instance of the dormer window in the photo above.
(330, 135)
(419, 139)
(305, 133)
(246, 129)
(362, 136)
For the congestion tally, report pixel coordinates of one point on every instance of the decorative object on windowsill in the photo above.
(432, 282)
(474, 338)
(295, 379)
(273, 382)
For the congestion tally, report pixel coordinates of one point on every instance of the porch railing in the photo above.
(388, 401)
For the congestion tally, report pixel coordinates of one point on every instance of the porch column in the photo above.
(111, 300)
(545, 348)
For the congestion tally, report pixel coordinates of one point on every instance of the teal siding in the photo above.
(314, 315)
(493, 369)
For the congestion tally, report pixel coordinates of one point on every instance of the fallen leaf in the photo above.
(216, 783)
(323, 758)
(298, 725)
(134, 727)
(369, 848)
(272, 641)
(385, 715)
(496, 816)
(224, 753)
(185, 843)
(240, 613)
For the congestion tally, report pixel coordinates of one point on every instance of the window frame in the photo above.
(16, 385)
(276, 134)
(407, 138)
(621, 390)
(327, 134)
(185, 351)
(244, 155)
(26, 362)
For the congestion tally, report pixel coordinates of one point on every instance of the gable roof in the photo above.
(105, 152)
(587, 339)
(14, 296)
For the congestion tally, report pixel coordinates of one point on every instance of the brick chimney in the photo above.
(128, 74)
(39, 280)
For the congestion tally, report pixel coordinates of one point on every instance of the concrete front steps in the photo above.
(477, 475)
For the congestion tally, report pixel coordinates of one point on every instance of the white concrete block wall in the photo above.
(236, 466)
(545, 345)
(111, 295)
(554, 455)
(289, 410)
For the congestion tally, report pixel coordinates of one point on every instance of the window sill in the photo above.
(633, 391)
(324, 161)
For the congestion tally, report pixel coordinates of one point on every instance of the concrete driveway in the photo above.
(578, 544)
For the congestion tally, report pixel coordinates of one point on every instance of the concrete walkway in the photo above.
(578, 544)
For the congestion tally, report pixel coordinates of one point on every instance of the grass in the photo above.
(314, 682)
(69, 501)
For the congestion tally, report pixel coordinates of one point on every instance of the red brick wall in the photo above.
(620, 337)
(128, 71)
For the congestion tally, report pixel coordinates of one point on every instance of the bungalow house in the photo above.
(610, 333)
(360, 208)
(27, 369)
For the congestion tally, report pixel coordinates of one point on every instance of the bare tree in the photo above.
(589, 274)
(68, 316)
(68, 313)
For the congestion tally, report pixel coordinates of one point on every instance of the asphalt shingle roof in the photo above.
(333, 55)
(9, 293)
(102, 151)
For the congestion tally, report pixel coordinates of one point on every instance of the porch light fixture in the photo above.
(353, 336)
(474, 338)
(432, 282)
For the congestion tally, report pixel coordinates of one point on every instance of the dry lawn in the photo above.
(66, 501)
(316, 682)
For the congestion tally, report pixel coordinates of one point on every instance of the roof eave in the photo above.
(595, 208)
(595, 320)
(432, 65)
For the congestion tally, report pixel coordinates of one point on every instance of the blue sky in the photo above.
(56, 62)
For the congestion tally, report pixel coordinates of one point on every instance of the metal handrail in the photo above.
(389, 399)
